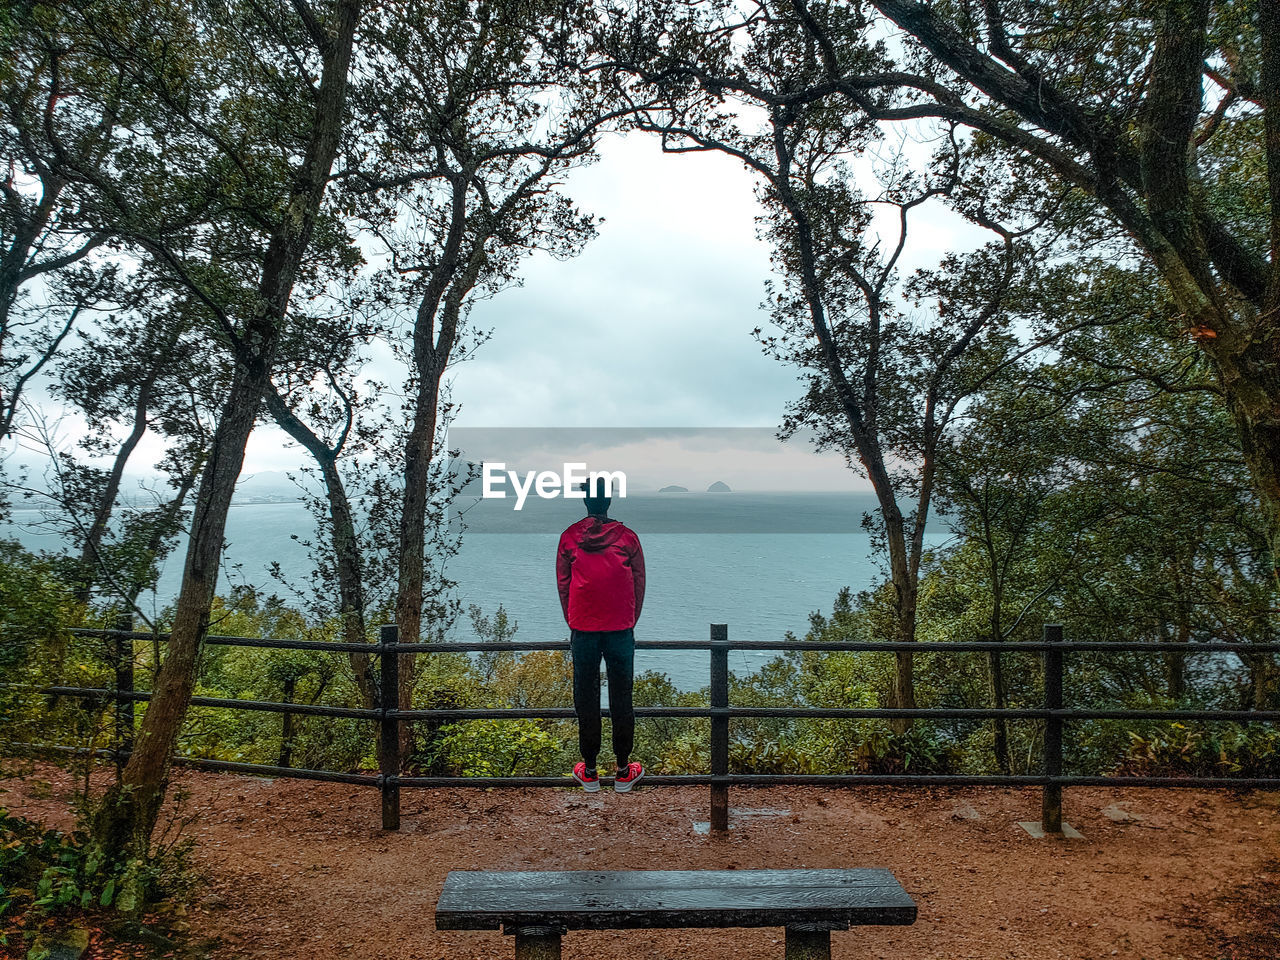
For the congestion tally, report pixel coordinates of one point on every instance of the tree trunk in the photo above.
(1175, 663)
(286, 725)
(904, 684)
(346, 552)
(859, 413)
(903, 692)
(343, 542)
(409, 591)
(995, 681)
(14, 260)
(129, 811)
(1264, 680)
(90, 550)
(15, 270)
(1252, 386)
(995, 663)
(452, 278)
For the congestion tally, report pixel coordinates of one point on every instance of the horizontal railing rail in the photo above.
(1052, 713)
(703, 713)
(811, 646)
(694, 779)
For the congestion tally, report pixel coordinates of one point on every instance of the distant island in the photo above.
(674, 488)
(719, 487)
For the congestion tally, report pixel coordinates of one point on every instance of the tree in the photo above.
(328, 431)
(1000, 483)
(238, 116)
(1103, 486)
(481, 107)
(1162, 118)
(884, 380)
(1183, 554)
(147, 369)
(459, 126)
(48, 277)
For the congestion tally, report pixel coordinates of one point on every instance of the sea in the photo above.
(759, 562)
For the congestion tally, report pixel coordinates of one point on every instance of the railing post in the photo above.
(1051, 800)
(123, 654)
(388, 727)
(719, 726)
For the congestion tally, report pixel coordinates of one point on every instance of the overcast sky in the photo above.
(651, 324)
(649, 327)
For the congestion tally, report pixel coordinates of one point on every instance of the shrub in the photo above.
(670, 744)
(871, 747)
(1218, 750)
(50, 873)
(495, 748)
(686, 755)
(770, 756)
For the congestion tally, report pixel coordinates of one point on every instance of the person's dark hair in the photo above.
(596, 501)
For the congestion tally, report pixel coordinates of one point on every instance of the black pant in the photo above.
(618, 648)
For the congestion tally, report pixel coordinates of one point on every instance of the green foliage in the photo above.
(35, 609)
(538, 678)
(52, 873)
(954, 605)
(500, 628)
(34, 603)
(876, 749)
(671, 745)
(770, 756)
(1218, 750)
(37, 649)
(496, 748)
(689, 754)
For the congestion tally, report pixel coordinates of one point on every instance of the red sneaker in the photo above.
(590, 781)
(628, 778)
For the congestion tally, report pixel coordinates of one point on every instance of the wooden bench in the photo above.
(538, 906)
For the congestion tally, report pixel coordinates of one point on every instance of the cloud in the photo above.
(747, 458)
(649, 326)
(652, 323)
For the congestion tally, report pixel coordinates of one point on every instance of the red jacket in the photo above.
(600, 573)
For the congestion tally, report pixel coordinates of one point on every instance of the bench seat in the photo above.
(538, 906)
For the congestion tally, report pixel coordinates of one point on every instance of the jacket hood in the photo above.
(597, 534)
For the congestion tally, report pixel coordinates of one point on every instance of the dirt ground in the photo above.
(301, 870)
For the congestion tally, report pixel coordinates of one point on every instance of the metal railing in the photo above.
(1053, 712)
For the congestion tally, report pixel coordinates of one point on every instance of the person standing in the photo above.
(600, 575)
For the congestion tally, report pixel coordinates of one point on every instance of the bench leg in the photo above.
(808, 943)
(537, 943)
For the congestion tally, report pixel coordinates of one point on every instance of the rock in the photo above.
(68, 945)
(674, 488)
(719, 487)
(1120, 815)
(153, 938)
